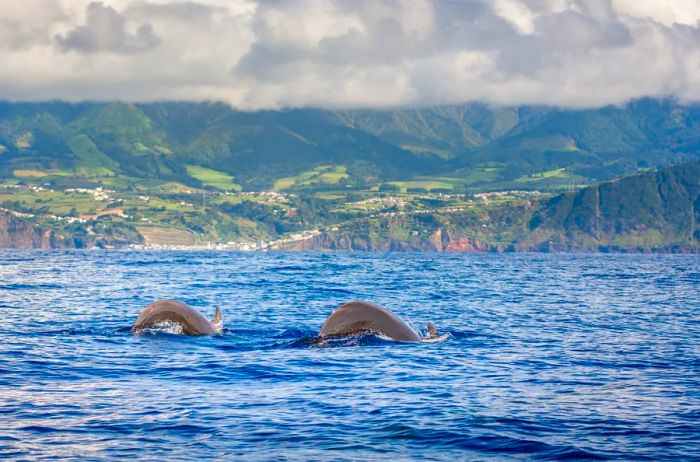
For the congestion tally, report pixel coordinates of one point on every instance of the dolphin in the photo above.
(188, 318)
(360, 317)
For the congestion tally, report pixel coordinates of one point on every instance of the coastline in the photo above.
(225, 249)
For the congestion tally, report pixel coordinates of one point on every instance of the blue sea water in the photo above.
(546, 357)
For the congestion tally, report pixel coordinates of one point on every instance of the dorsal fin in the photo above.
(432, 331)
(218, 321)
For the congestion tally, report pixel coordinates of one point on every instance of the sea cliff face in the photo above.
(446, 241)
(18, 233)
(441, 240)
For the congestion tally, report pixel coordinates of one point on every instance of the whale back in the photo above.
(192, 322)
(357, 317)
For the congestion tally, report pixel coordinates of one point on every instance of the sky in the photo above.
(351, 53)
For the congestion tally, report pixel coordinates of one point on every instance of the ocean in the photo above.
(542, 356)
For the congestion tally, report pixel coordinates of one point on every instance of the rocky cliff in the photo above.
(441, 240)
(18, 233)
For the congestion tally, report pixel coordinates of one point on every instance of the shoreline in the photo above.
(194, 249)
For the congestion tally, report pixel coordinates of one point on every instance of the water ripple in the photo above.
(548, 357)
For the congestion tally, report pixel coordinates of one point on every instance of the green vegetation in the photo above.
(408, 178)
(539, 176)
(471, 146)
(559, 178)
(650, 211)
(478, 175)
(90, 158)
(213, 178)
(22, 173)
(469, 178)
(426, 184)
(646, 211)
(321, 175)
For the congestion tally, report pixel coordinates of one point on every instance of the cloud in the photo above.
(106, 30)
(17, 32)
(351, 53)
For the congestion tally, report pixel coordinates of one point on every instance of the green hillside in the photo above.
(647, 211)
(166, 141)
(456, 148)
(650, 211)
(527, 142)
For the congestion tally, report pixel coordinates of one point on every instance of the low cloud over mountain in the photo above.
(349, 53)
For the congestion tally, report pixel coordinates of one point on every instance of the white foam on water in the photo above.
(439, 338)
(163, 327)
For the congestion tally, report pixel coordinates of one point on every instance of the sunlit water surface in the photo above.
(547, 356)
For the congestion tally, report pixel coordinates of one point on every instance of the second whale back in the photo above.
(358, 317)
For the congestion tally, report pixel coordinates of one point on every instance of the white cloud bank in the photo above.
(351, 53)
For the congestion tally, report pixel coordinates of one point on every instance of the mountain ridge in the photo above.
(469, 146)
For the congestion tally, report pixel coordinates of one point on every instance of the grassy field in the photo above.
(559, 178)
(460, 179)
(57, 202)
(428, 184)
(27, 173)
(323, 175)
(92, 172)
(330, 196)
(213, 178)
(480, 175)
(156, 235)
(82, 171)
(488, 177)
(539, 176)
